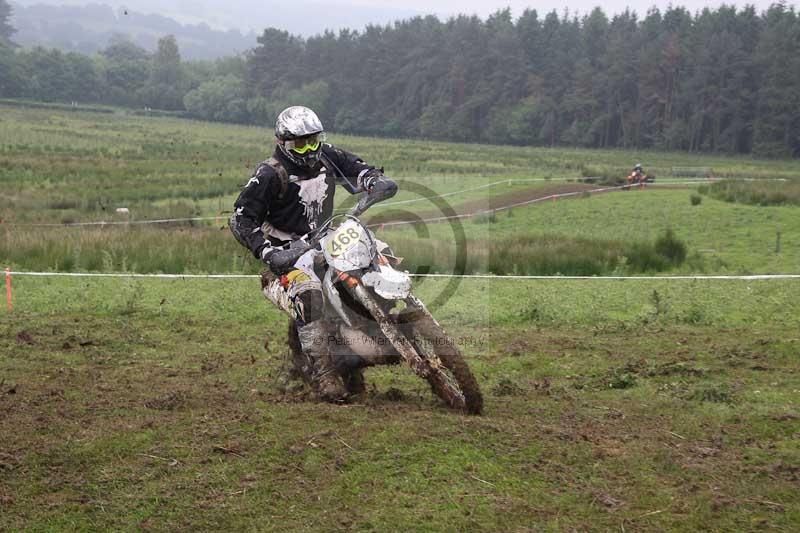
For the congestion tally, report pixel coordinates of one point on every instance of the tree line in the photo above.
(721, 80)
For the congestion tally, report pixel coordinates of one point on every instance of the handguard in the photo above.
(383, 189)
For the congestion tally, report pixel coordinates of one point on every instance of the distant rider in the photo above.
(637, 175)
(288, 196)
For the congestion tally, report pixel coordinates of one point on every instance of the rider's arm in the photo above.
(357, 176)
(251, 210)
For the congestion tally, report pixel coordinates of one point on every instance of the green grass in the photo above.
(756, 193)
(606, 232)
(721, 238)
(64, 167)
(131, 404)
(149, 404)
(57, 164)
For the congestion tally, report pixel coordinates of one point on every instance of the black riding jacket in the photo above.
(268, 216)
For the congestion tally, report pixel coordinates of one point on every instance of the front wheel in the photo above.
(453, 380)
(432, 355)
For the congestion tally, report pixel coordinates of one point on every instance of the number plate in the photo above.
(345, 238)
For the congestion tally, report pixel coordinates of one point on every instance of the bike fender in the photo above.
(388, 283)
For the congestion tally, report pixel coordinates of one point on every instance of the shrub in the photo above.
(642, 257)
(711, 393)
(696, 199)
(544, 254)
(763, 193)
(672, 248)
(622, 381)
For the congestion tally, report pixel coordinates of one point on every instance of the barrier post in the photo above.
(8, 290)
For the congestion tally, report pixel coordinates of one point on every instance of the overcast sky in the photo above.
(308, 17)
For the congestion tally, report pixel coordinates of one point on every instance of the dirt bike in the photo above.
(370, 304)
(638, 179)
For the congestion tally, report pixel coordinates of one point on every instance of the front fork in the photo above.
(399, 341)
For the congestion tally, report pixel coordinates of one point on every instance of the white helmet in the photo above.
(300, 135)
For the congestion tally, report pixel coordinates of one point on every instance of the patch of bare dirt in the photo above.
(518, 348)
(512, 198)
(23, 337)
(5, 499)
(7, 461)
(785, 471)
(168, 402)
(608, 501)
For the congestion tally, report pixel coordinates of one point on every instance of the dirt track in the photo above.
(499, 201)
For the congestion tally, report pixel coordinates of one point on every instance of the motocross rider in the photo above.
(288, 196)
(637, 174)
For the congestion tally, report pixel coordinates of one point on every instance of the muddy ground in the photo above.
(110, 423)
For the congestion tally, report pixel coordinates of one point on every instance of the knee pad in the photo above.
(308, 306)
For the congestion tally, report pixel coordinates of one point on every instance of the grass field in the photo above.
(70, 166)
(61, 165)
(133, 404)
(149, 404)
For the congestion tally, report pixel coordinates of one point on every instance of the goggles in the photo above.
(302, 145)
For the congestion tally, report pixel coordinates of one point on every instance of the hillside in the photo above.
(205, 30)
(88, 29)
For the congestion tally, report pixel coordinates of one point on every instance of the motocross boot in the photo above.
(326, 380)
(354, 381)
(297, 358)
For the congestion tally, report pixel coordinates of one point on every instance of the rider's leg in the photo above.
(296, 350)
(299, 293)
(349, 366)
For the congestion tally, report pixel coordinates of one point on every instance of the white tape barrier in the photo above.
(114, 222)
(466, 276)
(123, 275)
(619, 278)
